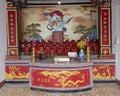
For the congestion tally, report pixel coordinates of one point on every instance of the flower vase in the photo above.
(81, 55)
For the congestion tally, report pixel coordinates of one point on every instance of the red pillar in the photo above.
(105, 33)
(12, 50)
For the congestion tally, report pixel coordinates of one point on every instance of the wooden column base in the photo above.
(117, 82)
(2, 83)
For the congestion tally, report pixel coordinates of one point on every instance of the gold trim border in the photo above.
(9, 49)
(16, 29)
(102, 26)
(105, 48)
(10, 5)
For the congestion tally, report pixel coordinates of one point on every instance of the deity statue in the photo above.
(56, 25)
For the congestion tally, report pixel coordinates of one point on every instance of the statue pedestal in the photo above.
(57, 36)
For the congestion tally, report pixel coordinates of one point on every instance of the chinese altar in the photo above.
(65, 76)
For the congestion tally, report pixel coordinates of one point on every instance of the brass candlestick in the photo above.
(88, 54)
(33, 55)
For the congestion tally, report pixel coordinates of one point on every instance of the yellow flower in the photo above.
(81, 44)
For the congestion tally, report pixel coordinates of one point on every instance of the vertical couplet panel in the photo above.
(12, 29)
(105, 31)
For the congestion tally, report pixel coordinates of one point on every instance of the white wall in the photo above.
(3, 38)
(116, 36)
(113, 29)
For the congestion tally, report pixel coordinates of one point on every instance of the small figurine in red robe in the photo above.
(31, 45)
(26, 48)
(96, 47)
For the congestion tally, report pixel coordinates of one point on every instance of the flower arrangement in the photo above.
(81, 44)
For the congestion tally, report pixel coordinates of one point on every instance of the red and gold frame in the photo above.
(106, 53)
(104, 71)
(60, 78)
(12, 51)
(105, 50)
(12, 28)
(105, 26)
(9, 5)
(16, 72)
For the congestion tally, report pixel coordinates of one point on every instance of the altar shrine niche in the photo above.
(56, 17)
(84, 73)
(57, 37)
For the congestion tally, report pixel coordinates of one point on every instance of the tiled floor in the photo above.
(99, 89)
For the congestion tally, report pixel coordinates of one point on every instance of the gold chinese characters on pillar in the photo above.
(12, 34)
(105, 49)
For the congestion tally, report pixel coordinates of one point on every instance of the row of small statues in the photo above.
(92, 44)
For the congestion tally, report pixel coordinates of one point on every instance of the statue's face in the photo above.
(55, 16)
